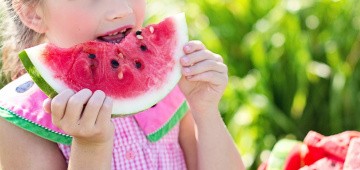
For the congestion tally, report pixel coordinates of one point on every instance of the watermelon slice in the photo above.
(136, 73)
(335, 152)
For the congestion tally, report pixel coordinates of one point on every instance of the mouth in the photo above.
(115, 36)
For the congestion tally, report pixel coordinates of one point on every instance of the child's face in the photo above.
(69, 22)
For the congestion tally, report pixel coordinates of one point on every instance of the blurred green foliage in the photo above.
(293, 65)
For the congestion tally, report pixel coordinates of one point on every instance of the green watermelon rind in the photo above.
(36, 76)
(279, 153)
(34, 128)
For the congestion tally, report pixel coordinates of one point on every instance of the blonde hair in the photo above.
(16, 37)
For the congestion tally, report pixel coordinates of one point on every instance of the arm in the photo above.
(208, 147)
(85, 156)
(216, 149)
(20, 149)
(188, 142)
(203, 83)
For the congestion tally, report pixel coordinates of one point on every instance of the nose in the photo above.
(119, 9)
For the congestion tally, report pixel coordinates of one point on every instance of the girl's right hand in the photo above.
(84, 115)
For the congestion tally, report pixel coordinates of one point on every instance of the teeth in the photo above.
(115, 37)
(113, 34)
(116, 33)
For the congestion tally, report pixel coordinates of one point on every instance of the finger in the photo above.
(205, 66)
(92, 108)
(193, 46)
(198, 56)
(104, 115)
(47, 105)
(58, 104)
(75, 106)
(211, 77)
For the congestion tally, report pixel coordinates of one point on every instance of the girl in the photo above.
(199, 141)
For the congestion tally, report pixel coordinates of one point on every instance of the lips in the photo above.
(115, 36)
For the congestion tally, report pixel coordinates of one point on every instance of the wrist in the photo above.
(89, 155)
(204, 109)
(205, 116)
(92, 145)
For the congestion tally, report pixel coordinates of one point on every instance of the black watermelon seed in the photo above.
(138, 32)
(138, 65)
(153, 106)
(143, 48)
(114, 64)
(92, 56)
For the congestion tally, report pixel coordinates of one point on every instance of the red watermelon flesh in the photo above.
(294, 159)
(136, 73)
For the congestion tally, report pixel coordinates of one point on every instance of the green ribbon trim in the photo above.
(35, 128)
(35, 75)
(157, 135)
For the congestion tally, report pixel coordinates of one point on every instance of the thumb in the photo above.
(47, 105)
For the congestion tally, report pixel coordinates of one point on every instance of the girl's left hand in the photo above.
(204, 77)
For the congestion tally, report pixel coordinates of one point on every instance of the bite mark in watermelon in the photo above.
(136, 73)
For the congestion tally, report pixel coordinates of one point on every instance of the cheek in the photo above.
(70, 27)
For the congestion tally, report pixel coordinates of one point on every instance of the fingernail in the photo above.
(187, 48)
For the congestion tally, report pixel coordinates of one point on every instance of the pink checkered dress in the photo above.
(132, 150)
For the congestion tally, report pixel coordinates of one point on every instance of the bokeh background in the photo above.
(293, 65)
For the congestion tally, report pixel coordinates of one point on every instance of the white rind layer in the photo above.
(47, 74)
(135, 104)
